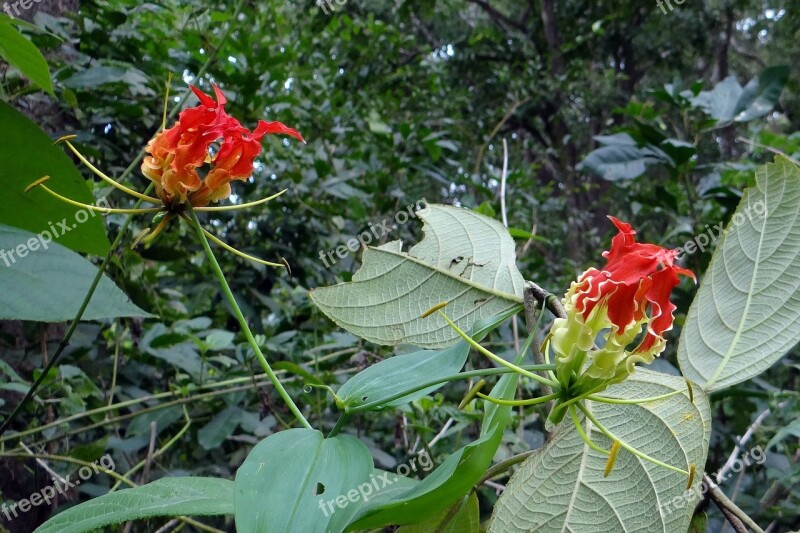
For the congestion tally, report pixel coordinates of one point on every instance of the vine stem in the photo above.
(226, 290)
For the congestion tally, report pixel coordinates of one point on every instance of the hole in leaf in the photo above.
(364, 398)
(319, 489)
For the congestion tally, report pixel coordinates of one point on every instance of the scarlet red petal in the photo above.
(265, 128)
(661, 308)
(221, 100)
(205, 99)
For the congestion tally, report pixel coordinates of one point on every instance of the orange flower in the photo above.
(178, 153)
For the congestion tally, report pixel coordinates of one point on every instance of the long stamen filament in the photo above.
(231, 249)
(240, 206)
(497, 359)
(106, 178)
(106, 210)
(161, 225)
(577, 423)
(166, 102)
(531, 401)
(627, 446)
(605, 399)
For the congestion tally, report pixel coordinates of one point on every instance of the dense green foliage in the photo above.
(658, 116)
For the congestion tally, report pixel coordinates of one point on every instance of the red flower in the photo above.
(177, 153)
(631, 291)
(636, 277)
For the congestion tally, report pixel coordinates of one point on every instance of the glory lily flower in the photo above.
(624, 307)
(191, 165)
(625, 301)
(176, 154)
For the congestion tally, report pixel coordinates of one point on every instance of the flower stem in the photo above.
(496, 358)
(226, 290)
(531, 401)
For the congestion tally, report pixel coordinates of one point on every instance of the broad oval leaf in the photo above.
(746, 315)
(289, 478)
(561, 487)
(50, 282)
(465, 259)
(622, 161)
(762, 94)
(173, 496)
(28, 154)
(376, 388)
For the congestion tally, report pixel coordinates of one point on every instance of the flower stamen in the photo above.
(104, 210)
(106, 178)
(240, 206)
(231, 249)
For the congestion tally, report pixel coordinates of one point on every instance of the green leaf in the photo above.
(465, 258)
(23, 55)
(762, 94)
(28, 154)
(222, 426)
(463, 517)
(746, 315)
(175, 496)
(561, 487)
(287, 480)
(620, 158)
(720, 102)
(49, 284)
(792, 430)
(372, 388)
(454, 478)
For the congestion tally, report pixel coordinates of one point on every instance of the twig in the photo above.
(44, 465)
(168, 526)
(737, 450)
(441, 433)
(496, 130)
(150, 450)
(550, 301)
(735, 516)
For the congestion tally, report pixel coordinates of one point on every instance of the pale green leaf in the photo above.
(193, 496)
(746, 315)
(465, 259)
(561, 487)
